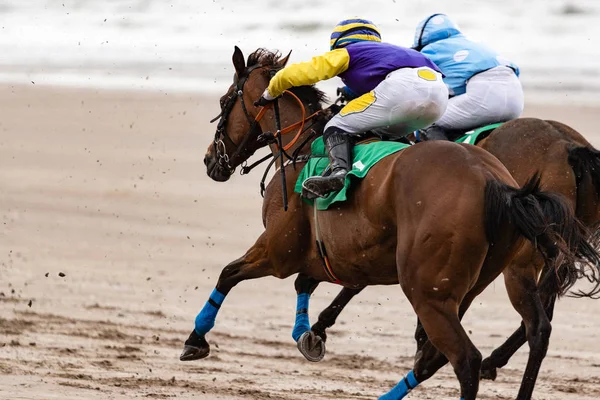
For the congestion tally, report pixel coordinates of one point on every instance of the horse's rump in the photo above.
(414, 194)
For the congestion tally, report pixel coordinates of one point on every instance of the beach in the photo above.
(113, 236)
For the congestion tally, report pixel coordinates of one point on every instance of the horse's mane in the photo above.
(265, 58)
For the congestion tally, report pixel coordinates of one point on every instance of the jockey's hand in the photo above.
(341, 94)
(345, 94)
(334, 109)
(264, 100)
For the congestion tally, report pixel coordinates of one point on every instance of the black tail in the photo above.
(547, 221)
(585, 162)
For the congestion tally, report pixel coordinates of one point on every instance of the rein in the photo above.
(282, 149)
(277, 138)
(272, 137)
(221, 135)
(281, 153)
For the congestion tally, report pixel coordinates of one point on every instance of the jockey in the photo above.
(398, 90)
(484, 87)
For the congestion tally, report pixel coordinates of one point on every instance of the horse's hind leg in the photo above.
(521, 285)
(500, 356)
(428, 359)
(329, 315)
(310, 345)
(254, 264)
(441, 318)
(420, 335)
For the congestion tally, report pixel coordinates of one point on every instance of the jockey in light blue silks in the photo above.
(484, 87)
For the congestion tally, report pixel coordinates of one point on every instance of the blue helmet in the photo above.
(433, 28)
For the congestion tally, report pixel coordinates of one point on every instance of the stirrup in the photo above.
(308, 194)
(432, 132)
(313, 186)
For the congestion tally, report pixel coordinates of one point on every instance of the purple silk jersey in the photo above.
(371, 62)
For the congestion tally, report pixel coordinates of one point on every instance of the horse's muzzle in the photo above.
(216, 171)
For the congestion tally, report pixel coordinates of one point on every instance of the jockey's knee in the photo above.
(332, 130)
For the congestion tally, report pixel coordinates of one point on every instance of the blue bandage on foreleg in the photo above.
(402, 388)
(206, 319)
(302, 324)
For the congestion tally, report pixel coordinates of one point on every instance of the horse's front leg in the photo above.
(254, 264)
(329, 315)
(310, 345)
(311, 341)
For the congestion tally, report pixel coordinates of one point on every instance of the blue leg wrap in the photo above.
(206, 319)
(302, 324)
(402, 388)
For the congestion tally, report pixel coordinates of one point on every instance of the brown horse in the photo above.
(396, 228)
(569, 165)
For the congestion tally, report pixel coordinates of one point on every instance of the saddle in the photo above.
(476, 135)
(367, 152)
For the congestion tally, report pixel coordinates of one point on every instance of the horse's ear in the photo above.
(238, 61)
(285, 59)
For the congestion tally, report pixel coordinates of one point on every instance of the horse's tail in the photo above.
(585, 162)
(548, 223)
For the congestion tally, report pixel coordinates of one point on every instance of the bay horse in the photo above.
(569, 165)
(396, 228)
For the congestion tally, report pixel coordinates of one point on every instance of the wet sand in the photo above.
(109, 189)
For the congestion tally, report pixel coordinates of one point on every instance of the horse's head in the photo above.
(241, 123)
(236, 138)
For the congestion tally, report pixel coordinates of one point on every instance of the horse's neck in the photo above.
(312, 129)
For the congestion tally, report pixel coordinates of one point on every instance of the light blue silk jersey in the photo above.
(458, 57)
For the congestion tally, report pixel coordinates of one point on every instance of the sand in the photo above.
(109, 189)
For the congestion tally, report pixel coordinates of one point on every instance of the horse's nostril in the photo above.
(206, 160)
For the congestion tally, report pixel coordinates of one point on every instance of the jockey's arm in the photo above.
(320, 68)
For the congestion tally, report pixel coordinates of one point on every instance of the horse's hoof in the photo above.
(195, 348)
(311, 346)
(488, 371)
(191, 353)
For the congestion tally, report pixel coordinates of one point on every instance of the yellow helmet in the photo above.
(353, 30)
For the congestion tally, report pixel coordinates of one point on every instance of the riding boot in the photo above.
(339, 148)
(433, 132)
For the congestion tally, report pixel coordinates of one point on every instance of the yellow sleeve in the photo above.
(318, 69)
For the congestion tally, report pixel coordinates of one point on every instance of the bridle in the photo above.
(221, 135)
(221, 132)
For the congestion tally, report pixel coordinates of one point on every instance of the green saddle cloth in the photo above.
(472, 136)
(365, 156)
